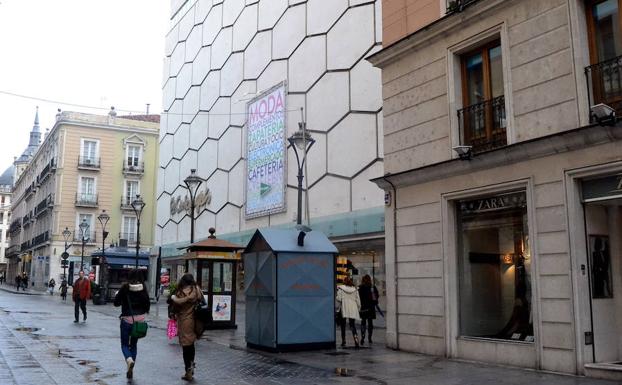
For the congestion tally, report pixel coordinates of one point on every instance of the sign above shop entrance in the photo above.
(608, 187)
(494, 203)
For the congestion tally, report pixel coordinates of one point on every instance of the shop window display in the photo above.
(495, 268)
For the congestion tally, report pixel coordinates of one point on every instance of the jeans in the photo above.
(129, 345)
(80, 304)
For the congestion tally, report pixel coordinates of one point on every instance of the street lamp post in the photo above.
(138, 205)
(300, 140)
(103, 219)
(193, 182)
(84, 230)
(65, 255)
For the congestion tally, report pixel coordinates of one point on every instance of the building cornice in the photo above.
(436, 29)
(557, 143)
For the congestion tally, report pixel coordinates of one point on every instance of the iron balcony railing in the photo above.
(89, 162)
(86, 200)
(13, 250)
(604, 83)
(483, 125)
(25, 246)
(39, 239)
(129, 236)
(89, 237)
(126, 202)
(15, 225)
(44, 205)
(130, 168)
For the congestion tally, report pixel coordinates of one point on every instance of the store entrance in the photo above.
(603, 224)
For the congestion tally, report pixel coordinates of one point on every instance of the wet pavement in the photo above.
(40, 344)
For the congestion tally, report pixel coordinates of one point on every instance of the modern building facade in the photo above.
(504, 230)
(223, 60)
(86, 164)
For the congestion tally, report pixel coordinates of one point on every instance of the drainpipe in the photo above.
(396, 281)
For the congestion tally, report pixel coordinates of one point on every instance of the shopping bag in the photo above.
(171, 329)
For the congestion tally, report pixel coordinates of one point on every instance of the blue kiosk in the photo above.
(289, 281)
(115, 264)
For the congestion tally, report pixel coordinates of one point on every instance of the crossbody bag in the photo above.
(139, 328)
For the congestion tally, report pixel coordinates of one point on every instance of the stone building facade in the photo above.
(85, 164)
(504, 233)
(220, 55)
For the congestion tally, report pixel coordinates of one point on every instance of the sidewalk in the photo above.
(376, 364)
(11, 289)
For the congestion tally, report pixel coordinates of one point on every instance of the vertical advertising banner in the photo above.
(266, 153)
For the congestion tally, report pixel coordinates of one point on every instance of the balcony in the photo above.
(46, 172)
(604, 82)
(126, 203)
(44, 205)
(134, 169)
(129, 236)
(30, 190)
(13, 250)
(483, 125)
(25, 246)
(90, 237)
(28, 219)
(15, 226)
(88, 163)
(40, 239)
(86, 200)
(458, 5)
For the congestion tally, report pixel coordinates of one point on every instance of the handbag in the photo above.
(202, 312)
(171, 329)
(139, 328)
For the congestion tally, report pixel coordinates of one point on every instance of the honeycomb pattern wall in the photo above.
(221, 54)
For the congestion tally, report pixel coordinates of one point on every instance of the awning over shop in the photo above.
(123, 256)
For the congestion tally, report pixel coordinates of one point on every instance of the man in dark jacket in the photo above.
(81, 292)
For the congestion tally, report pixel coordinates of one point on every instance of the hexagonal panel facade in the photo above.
(222, 54)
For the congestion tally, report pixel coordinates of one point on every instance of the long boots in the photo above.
(189, 375)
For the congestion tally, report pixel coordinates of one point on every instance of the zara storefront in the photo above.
(514, 257)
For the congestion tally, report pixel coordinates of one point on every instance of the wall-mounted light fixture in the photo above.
(464, 152)
(603, 114)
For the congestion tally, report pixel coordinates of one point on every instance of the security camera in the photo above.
(603, 114)
(464, 152)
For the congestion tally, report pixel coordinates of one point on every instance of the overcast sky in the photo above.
(90, 52)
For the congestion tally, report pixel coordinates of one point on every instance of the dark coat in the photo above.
(369, 300)
(139, 297)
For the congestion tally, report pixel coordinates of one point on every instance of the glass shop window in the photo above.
(495, 268)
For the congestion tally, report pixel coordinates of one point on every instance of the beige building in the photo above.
(86, 164)
(6, 184)
(504, 223)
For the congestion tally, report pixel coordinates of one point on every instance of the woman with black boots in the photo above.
(134, 301)
(369, 300)
(349, 305)
(184, 301)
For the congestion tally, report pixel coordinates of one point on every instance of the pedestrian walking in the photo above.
(81, 292)
(349, 305)
(25, 281)
(134, 301)
(2, 278)
(368, 293)
(184, 301)
(18, 282)
(51, 286)
(63, 289)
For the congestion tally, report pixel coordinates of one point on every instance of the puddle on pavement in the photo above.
(343, 372)
(86, 362)
(27, 329)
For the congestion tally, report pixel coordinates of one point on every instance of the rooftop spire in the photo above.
(36, 126)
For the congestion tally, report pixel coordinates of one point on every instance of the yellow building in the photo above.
(86, 164)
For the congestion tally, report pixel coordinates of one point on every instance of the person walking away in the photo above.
(185, 299)
(18, 282)
(134, 301)
(81, 292)
(25, 281)
(63, 289)
(2, 278)
(51, 286)
(368, 293)
(349, 304)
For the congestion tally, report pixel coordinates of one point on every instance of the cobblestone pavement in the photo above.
(39, 344)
